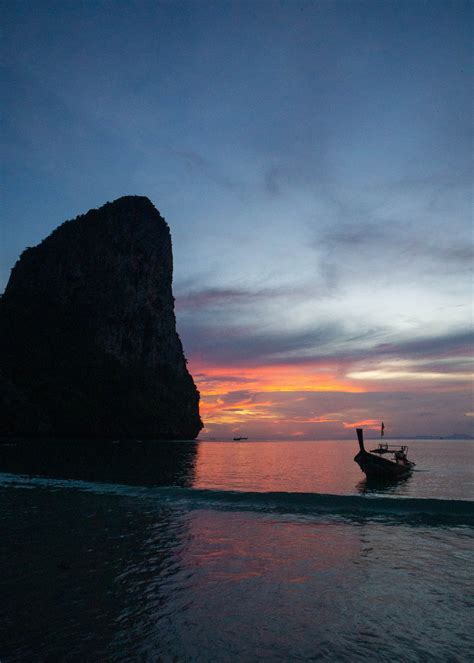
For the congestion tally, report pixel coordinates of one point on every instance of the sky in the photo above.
(314, 163)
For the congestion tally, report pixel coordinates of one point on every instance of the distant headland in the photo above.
(88, 341)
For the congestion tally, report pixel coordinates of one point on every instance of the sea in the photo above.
(234, 551)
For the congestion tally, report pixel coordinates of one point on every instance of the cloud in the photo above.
(371, 424)
(215, 297)
(415, 234)
(331, 342)
(456, 343)
(394, 372)
(209, 379)
(397, 240)
(223, 345)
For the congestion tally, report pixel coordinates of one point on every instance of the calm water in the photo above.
(234, 551)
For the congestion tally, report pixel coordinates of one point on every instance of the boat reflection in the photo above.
(383, 486)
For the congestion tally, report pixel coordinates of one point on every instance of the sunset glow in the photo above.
(314, 399)
(213, 380)
(242, 396)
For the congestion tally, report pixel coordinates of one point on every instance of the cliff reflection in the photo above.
(147, 463)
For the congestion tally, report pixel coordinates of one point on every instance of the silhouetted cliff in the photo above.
(88, 333)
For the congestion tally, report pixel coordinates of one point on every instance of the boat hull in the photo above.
(375, 467)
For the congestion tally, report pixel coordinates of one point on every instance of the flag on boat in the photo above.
(382, 430)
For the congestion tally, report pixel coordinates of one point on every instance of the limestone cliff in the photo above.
(88, 342)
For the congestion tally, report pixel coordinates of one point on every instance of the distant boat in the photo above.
(376, 467)
(240, 438)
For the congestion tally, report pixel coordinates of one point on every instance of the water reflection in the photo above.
(303, 467)
(285, 466)
(86, 576)
(99, 576)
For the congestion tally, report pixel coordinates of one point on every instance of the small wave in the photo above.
(429, 511)
(437, 510)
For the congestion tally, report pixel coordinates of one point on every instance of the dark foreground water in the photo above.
(212, 551)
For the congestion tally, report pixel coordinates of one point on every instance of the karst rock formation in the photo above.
(88, 341)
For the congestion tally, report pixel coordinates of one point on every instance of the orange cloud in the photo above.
(215, 380)
(217, 411)
(230, 395)
(371, 424)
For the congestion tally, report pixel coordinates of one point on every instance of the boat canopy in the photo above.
(385, 449)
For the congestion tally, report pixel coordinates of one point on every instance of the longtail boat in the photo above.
(376, 466)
